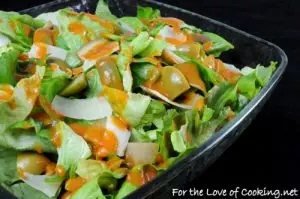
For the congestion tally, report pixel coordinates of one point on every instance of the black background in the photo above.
(268, 152)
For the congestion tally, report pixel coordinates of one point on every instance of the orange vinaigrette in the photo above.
(117, 98)
(41, 50)
(55, 137)
(104, 23)
(73, 184)
(101, 50)
(60, 171)
(174, 22)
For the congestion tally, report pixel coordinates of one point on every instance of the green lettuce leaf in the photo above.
(16, 32)
(73, 147)
(23, 107)
(8, 174)
(155, 48)
(136, 108)
(8, 63)
(25, 140)
(263, 74)
(90, 190)
(94, 83)
(219, 44)
(207, 129)
(131, 24)
(23, 190)
(140, 43)
(123, 62)
(147, 13)
(52, 86)
(102, 11)
(38, 182)
(220, 96)
(89, 169)
(125, 190)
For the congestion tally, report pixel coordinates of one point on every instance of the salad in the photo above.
(94, 106)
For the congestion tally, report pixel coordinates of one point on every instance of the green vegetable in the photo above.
(8, 63)
(135, 108)
(73, 147)
(147, 13)
(131, 24)
(25, 140)
(123, 62)
(140, 43)
(90, 190)
(220, 45)
(102, 11)
(155, 48)
(52, 86)
(94, 83)
(8, 174)
(220, 95)
(23, 107)
(125, 189)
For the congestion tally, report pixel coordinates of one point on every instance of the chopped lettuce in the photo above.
(220, 96)
(90, 190)
(147, 13)
(131, 24)
(220, 45)
(8, 64)
(94, 83)
(125, 190)
(123, 62)
(73, 147)
(22, 104)
(102, 11)
(89, 169)
(38, 182)
(135, 108)
(8, 174)
(22, 140)
(140, 43)
(155, 48)
(52, 86)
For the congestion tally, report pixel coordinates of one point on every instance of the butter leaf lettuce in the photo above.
(8, 174)
(102, 11)
(124, 60)
(147, 13)
(8, 64)
(220, 45)
(22, 107)
(90, 190)
(25, 140)
(73, 147)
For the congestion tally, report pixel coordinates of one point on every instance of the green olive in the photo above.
(77, 85)
(33, 163)
(171, 58)
(109, 73)
(174, 82)
(192, 50)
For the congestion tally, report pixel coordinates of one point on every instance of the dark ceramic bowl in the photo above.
(249, 51)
